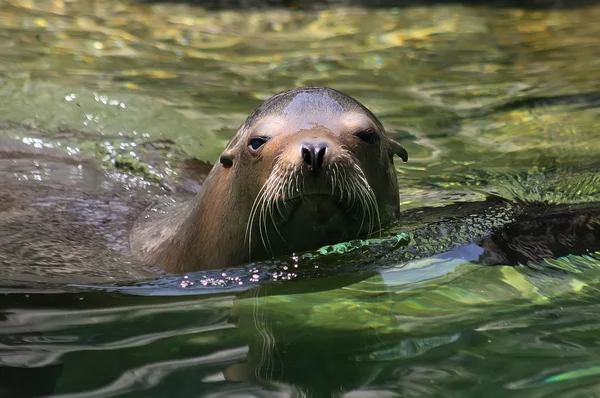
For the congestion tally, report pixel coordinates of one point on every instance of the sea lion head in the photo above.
(316, 167)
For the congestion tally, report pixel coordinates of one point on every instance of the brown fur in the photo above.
(210, 232)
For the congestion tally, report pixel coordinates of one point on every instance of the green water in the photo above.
(485, 99)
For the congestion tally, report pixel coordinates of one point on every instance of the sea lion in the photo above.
(309, 167)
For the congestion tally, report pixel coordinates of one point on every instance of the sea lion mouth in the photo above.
(315, 201)
(319, 219)
(336, 199)
(308, 212)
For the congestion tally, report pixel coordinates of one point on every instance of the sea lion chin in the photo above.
(311, 166)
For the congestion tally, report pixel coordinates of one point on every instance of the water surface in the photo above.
(485, 99)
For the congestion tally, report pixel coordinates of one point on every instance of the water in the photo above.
(485, 99)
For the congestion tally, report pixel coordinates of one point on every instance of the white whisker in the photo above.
(346, 180)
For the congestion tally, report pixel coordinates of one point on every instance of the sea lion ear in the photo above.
(226, 158)
(228, 154)
(397, 149)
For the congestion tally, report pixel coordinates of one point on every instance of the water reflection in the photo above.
(309, 337)
(500, 101)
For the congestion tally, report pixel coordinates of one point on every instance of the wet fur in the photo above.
(233, 218)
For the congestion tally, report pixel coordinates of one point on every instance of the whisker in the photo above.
(274, 202)
(347, 180)
(253, 210)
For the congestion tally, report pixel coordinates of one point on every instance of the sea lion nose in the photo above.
(313, 154)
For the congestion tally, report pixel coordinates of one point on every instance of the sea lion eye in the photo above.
(256, 142)
(368, 136)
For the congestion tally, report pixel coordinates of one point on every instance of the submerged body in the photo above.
(63, 220)
(309, 167)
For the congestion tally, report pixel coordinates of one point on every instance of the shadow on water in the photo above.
(240, 4)
(579, 100)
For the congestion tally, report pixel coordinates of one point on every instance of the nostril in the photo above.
(320, 156)
(313, 154)
(307, 155)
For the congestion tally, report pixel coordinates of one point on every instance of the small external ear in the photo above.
(397, 149)
(226, 158)
(228, 154)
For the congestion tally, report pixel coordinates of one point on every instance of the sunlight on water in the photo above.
(487, 100)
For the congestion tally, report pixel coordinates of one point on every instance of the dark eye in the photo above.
(368, 136)
(255, 143)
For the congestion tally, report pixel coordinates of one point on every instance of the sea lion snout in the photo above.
(311, 149)
(313, 153)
